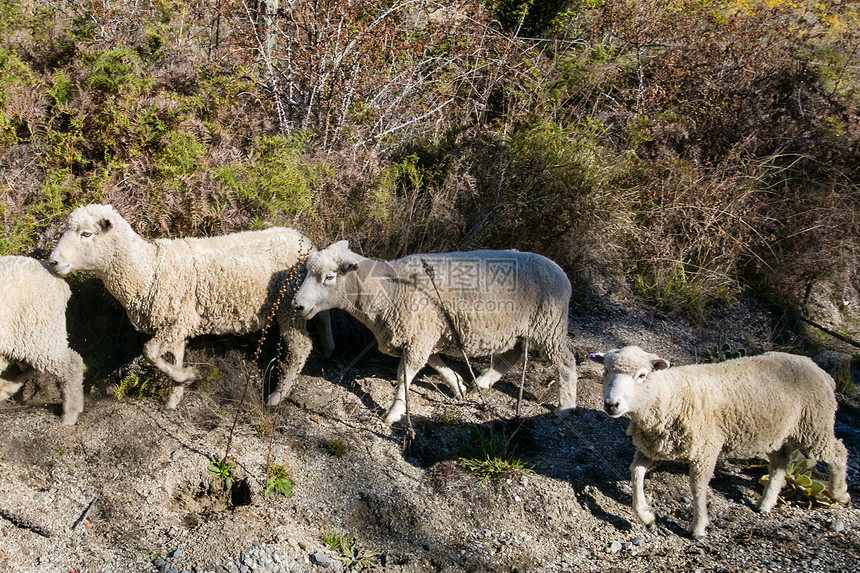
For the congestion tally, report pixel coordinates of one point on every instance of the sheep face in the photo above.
(321, 290)
(625, 370)
(77, 248)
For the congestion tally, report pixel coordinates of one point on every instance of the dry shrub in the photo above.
(692, 148)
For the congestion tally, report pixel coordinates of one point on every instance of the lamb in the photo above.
(33, 331)
(179, 288)
(493, 302)
(739, 408)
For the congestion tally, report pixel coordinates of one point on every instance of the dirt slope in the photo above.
(413, 510)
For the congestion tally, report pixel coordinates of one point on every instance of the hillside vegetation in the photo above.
(684, 151)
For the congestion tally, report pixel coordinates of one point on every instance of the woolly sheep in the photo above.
(494, 299)
(179, 288)
(739, 408)
(33, 331)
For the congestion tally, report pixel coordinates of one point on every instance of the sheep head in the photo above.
(625, 370)
(321, 289)
(79, 246)
(339, 278)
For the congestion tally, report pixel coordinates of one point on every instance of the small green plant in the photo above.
(278, 479)
(214, 374)
(336, 447)
(347, 548)
(802, 483)
(670, 287)
(263, 427)
(449, 415)
(222, 472)
(722, 353)
(488, 456)
(133, 385)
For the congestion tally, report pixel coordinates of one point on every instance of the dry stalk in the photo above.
(431, 273)
(293, 274)
(25, 523)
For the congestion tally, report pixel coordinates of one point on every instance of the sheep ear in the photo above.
(597, 357)
(342, 245)
(348, 267)
(658, 363)
(105, 225)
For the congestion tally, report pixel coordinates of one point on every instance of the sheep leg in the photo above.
(71, 375)
(322, 326)
(836, 457)
(154, 351)
(406, 371)
(502, 363)
(566, 384)
(8, 386)
(776, 478)
(641, 464)
(299, 346)
(454, 380)
(701, 472)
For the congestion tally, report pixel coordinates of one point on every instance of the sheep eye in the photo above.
(86, 234)
(329, 278)
(640, 377)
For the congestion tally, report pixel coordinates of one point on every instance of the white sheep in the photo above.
(179, 288)
(33, 331)
(739, 408)
(495, 300)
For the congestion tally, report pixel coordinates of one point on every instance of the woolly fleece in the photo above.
(33, 331)
(494, 300)
(179, 288)
(738, 408)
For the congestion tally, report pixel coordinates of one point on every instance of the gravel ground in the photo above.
(128, 489)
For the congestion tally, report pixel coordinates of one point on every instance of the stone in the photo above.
(321, 559)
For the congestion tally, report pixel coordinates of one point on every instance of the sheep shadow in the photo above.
(557, 451)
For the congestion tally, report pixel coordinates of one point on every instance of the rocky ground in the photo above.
(128, 488)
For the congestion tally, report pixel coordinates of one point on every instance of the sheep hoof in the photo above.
(564, 412)
(647, 518)
(393, 415)
(187, 375)
(174, 398)
(697, 533)
(274, 398)
(69, 419)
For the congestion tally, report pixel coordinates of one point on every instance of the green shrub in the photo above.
(348, 550)
(116, 72)
(488, 455)
(802, 482)
(278, 183)
(278, 480)
(137, 386)
(335, 447)
(222, 472)
(180, 155)
(724, 352)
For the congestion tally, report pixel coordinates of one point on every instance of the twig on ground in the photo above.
(86, 512)
(25, 523)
